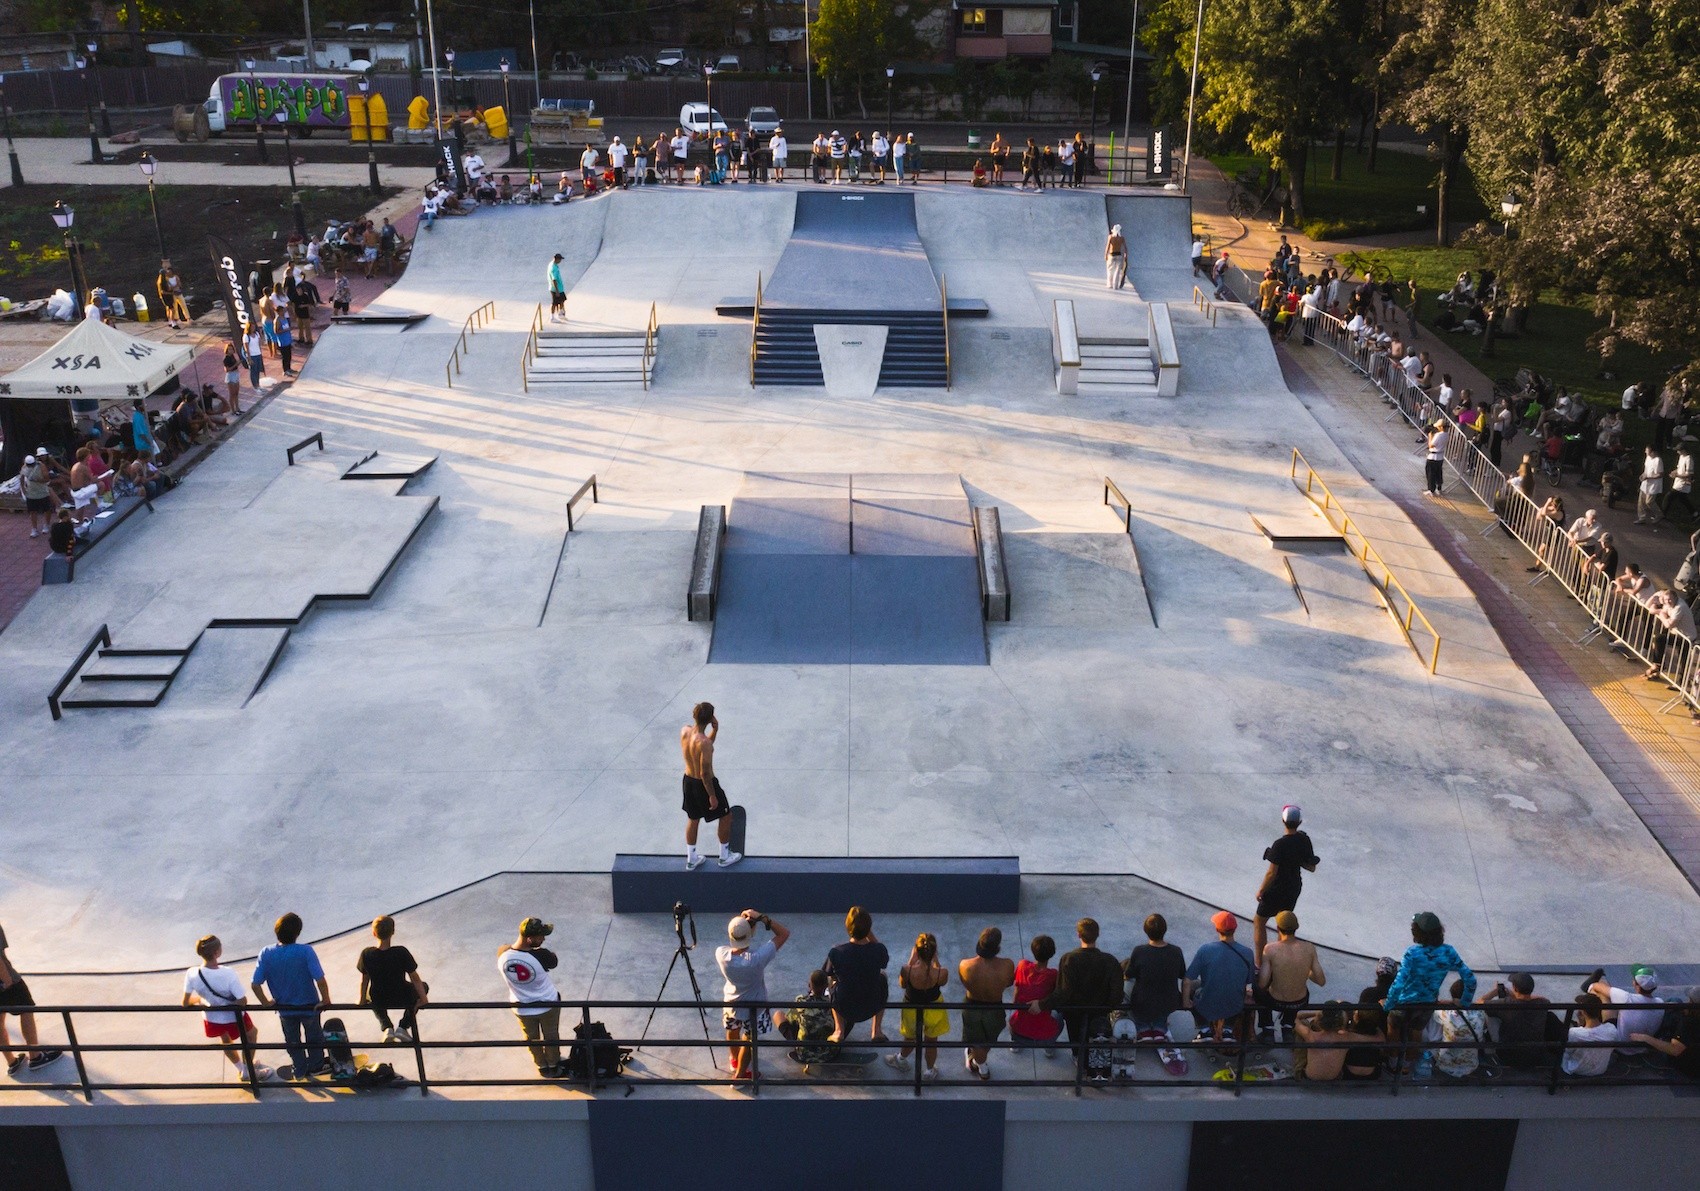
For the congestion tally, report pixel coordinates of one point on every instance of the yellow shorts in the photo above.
(936, 1022)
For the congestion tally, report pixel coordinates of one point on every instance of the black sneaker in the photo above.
(1593, 978)
(45, 1057)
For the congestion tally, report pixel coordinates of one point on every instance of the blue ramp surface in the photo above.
(792, 592)
(853, 252)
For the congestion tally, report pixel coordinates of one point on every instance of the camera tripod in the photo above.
(682, 914)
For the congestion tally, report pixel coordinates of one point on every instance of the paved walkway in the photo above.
(65, 160)
(20, 556)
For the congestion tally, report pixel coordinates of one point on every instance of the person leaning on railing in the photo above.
(1674, 617)
(1426, 963)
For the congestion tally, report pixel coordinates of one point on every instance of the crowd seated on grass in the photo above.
(1421, 1018)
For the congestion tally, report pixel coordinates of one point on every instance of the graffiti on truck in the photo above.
(318, 103)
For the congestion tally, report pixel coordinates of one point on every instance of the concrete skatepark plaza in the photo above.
(509, 698)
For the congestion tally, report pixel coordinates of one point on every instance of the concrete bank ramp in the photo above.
(1158, 227)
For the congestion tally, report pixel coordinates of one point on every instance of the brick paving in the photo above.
(20, 556)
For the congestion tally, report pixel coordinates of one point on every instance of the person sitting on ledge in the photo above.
(980, 179)
(1685, 1047)
(1035, 980)
(857, 971)
(809, 1023)
(1592, 1027)
(1323, 1028)
(1526, 1033)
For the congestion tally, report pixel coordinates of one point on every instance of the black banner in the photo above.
(450, 158)
(1157, 158)
(232, 287)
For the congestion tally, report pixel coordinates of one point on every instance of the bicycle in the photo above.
(1244, 202)
(1361, 262)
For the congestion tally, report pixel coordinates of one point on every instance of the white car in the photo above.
(670, 59)
(728, 62)
(699, 120)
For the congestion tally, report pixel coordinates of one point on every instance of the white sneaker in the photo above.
(691, 862)
(931, 1074)
(390, 1036)
(402, 1036)
(731, 858)
(896, 1062)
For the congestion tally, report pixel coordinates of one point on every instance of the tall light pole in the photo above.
(307, 25)
(436, 89)
(11, 148)
(1191, 98)
(454, 102)
(1092, 133)
(148, 164)
(890, 75)
(507, 108)
(371, 152)
(708, 82)
(259, 123)
(536, 71)
(289, 158)
(105, 119)
(1127, 117)
(65, 217)
(808, 63)
(95, 155)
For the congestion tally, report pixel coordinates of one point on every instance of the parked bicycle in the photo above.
(1245, 202)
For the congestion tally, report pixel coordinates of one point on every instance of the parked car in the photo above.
(670, 59)
(699, 120)
(728, 62)
(761, 122)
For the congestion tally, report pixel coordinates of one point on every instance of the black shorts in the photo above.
(38, 504)
(1276, 901)
(15, 996)
(696, 800)
(557, 299)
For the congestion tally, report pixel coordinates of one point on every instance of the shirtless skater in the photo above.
(704, 799)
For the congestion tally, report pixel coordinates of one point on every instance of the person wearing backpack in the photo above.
(220, 990)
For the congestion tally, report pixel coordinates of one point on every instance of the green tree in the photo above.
(854, 40)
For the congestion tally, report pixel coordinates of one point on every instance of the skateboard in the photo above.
(740, 822)
(845, 1061)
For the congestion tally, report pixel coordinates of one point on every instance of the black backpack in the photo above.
(595, 1049)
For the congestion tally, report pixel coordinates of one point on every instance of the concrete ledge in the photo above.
(649, 884)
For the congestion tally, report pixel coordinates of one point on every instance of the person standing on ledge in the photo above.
(704, 799)
(1284, 880)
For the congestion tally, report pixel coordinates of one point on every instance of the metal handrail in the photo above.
(650, 334)
(530, 352)
(1110, 488)
(1386, 582)
(291, 452)
(944, 317)
(755, 330)
(1235, 1078)
(101, 637)
(484, 314)
(595, 499)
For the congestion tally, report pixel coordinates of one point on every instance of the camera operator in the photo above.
(745, 968)
(525, 964)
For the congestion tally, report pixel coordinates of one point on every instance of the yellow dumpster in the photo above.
(357, 117)
(418, 114)
(380, 114)
(496, 120)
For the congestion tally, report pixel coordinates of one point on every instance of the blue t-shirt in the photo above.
(288, 970)
(1225, 969)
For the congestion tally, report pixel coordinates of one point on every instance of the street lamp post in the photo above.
(294, 192)
(890, 75)
(708, 82)
(454, 105)
(1092, 134)
(259, 124)
(11, 148)
(105, 119)
(65, 217)
(1191, 98)
(507, 108)
(371, 152)
(95, 155)
(148, 164)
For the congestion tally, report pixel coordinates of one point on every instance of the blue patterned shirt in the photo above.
(1423, 970)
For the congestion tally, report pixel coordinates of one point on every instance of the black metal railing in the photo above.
(295, 450)
(1240, 1072)
(572, 501)
(101, 638)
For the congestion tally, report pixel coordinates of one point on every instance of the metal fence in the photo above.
(1223, 1066)
(1627, 621)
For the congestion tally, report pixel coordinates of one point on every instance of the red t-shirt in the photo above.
(1033, 983)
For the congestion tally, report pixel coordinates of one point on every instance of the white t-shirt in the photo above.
(1065, 152)
(1682, 479)
(1437, 445)
(587, 159)
(881, 146)
(216, 986)
(1636, 1021)
(1590, 1062)
(474, 166)
(1413, 366)
(899, 148)
(681, 146)
(617, 156)
(528, 982)
(780, 147)
(92, 311)
(745, 971)
(1629, 396)
(1445, 396)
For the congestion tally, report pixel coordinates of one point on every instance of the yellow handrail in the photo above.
(649, 334)
(530, 352)
(1386, 582)
(755, 327)
(944, 317)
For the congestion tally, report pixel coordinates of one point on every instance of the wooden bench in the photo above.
(702, 598)
(649, 884)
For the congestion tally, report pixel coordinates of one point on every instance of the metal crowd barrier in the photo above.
(1534, 1065)
(1629, 623)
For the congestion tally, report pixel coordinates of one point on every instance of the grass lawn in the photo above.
(116, 230)
(1554, 342)
(1362, 203)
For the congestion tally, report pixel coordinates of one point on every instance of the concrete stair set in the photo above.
(786, 352)
(1119, 367)
(586, 357)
